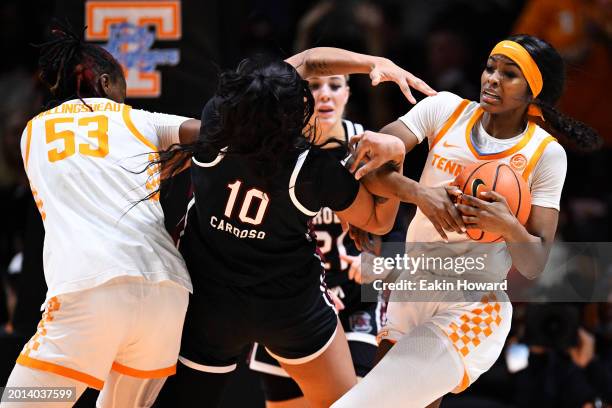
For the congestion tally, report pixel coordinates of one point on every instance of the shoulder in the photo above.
(551, 149)
(443, 98)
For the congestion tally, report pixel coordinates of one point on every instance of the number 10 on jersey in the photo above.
(261, 198)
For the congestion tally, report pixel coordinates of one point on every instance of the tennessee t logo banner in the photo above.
(131, 29)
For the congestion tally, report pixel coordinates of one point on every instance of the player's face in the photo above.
(330, 94)
(503, 86)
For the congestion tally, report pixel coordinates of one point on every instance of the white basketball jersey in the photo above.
(452, 150)
(83, 168)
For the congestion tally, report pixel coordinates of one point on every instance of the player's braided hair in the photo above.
(552, 68)
(70, 67)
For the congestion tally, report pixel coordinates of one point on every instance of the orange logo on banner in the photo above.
(126, 25)
(518, 162)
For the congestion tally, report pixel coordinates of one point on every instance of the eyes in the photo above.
(505, 73)
(315, 86)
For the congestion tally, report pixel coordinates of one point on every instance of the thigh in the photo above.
(79, 334)
(328, 376)
(276, 383)
(125, 391)
(28, 377)
(152, 347)
(216, 330)
(361, 322)
(477, 330)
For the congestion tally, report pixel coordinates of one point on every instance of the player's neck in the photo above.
(334, 132)
(505, 125)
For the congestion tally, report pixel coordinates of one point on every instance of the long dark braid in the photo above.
(552, 68)
(70, 67)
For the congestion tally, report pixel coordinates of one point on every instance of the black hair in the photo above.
(70, 67)
(552, 68)
(261, 112)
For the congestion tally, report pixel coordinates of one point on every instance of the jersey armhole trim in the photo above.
(536, 156)
(450, 121)
(213, 163)
(293, 179)
(28, 140)
(125, 113)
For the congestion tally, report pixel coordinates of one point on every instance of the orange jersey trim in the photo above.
(531, 127)
(133, 372)
(130, 125)
(536, 157)
(91, 381)
(28, 140)
(465, 382)
(450, 122)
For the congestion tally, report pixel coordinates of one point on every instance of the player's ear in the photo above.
(104, 82)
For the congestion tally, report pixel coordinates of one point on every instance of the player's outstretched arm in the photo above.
(326, 61)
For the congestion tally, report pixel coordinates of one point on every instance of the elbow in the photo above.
(532, 273)
(384, 228)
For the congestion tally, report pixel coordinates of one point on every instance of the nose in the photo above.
(324, 93)
(493, 79)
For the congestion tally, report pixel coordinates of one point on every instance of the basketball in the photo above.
(501, 178)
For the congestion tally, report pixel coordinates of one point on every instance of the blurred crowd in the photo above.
(558, 355)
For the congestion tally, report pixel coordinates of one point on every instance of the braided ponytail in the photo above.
(551, 66)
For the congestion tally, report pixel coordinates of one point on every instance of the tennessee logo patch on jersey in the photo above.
(518, 162)
(126, 25)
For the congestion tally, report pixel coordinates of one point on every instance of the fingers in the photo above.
(420, 85)
(453, 191)
(467, 209)
(345, 226)
(405, 87)
(493, 196)
(439, 228)
(455, 219)
(360, 155)
(473, 201)
(367, 168)
(470, 221)
(375, 76)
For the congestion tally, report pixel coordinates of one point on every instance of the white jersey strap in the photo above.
(213, 163)
(293, 179)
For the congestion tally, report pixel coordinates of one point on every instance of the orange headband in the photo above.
(521, 57)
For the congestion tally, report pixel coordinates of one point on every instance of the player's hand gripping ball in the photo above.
(501, 178)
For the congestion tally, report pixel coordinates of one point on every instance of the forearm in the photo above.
(392, 185)
(529, 252)
(385, 211)
(401, 131)
(325, 61)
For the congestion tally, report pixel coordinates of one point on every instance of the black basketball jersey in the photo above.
(244, 230)
(331, 239)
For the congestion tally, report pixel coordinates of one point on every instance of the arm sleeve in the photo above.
(166, 127)
(427, 117)
(549, 176)
(325, 182)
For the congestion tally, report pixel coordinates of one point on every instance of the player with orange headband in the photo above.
(443, 344)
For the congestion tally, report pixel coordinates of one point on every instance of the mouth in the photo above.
(325, 112)
(490, 97)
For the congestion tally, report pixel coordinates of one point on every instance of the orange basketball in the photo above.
(501, 178)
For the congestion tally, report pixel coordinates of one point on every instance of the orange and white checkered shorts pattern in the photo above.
(128, 324)
(476, 330)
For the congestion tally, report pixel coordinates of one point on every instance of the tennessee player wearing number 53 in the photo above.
(117, 286)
